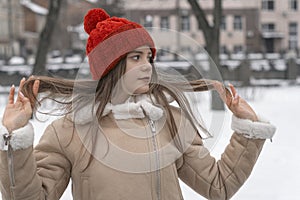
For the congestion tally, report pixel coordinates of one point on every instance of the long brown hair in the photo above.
(62, 91)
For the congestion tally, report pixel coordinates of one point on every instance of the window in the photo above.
(163, 51)
(268, 5)
(223, 49)
(269, 27)
(148, 21)
(293, 4)
(164, 22)
(223, 23)
(238, 49)
(186, 49)
(237, 22)
(293, 35)
(185, 23)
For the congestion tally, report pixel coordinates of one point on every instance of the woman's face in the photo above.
(138, 70)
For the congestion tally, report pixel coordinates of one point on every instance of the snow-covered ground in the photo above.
(276, 175)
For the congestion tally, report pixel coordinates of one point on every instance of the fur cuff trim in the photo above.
(21, 138)
(261, 129)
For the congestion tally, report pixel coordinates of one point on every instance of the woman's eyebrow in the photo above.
(139, 52)
(136, 51)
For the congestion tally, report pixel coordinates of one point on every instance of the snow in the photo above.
(177, 65)
(34, 7)
(276, 173)
(259, 65)
(223, 56)
(255, 56)
(231, 64)
(201, 56)
(74, 59)
(238, 56)
(271, 56)
(279, 65)
(80, 30)
(55, 60)
(16, 60)
(22, 69)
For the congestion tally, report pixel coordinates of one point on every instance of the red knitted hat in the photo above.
(110, 39)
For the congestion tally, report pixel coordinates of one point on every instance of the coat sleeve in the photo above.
(37, 174)
(222, 179)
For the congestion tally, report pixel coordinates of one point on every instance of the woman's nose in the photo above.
(146, 66)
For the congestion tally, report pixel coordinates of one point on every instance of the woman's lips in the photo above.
(144, 78)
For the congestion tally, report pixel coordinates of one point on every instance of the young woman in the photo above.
(119, 137)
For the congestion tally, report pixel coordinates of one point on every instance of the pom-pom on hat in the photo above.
(110, 39)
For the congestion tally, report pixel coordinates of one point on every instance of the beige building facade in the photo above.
(256, 26)
(280, 24)
(11, 27)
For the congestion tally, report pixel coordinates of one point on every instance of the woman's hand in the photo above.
(238, 106)
(17, 113)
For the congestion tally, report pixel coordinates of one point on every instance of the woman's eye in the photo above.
(137, 57)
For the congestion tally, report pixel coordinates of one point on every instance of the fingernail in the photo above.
(13, 85)
(236, 96)
(22, 95)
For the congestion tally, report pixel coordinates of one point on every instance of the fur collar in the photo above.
(140, 108)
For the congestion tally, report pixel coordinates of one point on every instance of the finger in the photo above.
(20, 88)
(219, 88)
(233, 90)
(11, 96)
(35, 87)
(229, 97)
(24, 100)
(236, 99)
(27, 105)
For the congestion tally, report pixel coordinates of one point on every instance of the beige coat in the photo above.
(44, 172)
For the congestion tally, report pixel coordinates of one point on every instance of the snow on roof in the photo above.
(34, 7)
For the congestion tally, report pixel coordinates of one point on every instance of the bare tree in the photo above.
(114, 7)
(212, 38)
(45, 38)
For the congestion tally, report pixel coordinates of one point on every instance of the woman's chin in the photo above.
(142, 90)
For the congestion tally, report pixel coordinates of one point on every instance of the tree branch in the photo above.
(217, 13)
(201, 17)
(45, 37)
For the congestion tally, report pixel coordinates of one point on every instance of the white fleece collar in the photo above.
(127, 110)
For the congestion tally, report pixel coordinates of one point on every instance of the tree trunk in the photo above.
(39, 67)
(212, 39)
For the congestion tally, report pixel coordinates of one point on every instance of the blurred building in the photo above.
(279, 25)
(35, 13)
(21, 22)
(265, 26)
(11, 27)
